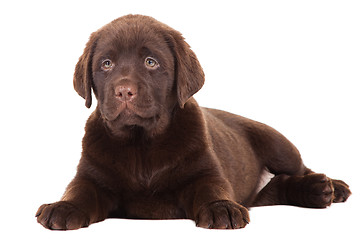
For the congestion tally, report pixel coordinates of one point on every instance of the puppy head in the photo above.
(139, 70)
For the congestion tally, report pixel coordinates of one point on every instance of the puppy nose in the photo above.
(125, 92)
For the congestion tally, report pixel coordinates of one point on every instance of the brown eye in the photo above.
(106, 65)
(151, 63)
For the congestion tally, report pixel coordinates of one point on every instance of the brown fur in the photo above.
(151, 152)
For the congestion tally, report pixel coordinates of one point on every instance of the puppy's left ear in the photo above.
(83, 76)
(188, 71)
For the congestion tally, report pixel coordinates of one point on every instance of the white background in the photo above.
(294, 65)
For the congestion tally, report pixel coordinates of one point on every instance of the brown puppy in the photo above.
(151, 152)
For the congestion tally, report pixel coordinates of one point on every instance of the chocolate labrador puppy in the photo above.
(150, 151)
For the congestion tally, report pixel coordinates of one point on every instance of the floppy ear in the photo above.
(83, 71)
(188, 71)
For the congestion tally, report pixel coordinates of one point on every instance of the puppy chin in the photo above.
(128, 125)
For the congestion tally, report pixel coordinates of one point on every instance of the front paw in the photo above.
(222, 215)
(61, 216)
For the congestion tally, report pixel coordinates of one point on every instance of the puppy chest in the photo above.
(151, 192)
(143, 172)
(152, 207)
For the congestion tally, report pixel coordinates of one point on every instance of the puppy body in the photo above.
(151, 152)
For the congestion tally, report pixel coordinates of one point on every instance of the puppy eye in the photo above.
(151, 63)
(106, 65)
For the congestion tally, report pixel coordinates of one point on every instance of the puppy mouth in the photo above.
(129, 114)
(130, 120)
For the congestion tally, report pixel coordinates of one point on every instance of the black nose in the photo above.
(125, 92)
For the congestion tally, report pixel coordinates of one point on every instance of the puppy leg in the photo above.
(82, 204)
(210, 204)
(294, 183)
(312, 190)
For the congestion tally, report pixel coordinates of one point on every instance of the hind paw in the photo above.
(341, 191)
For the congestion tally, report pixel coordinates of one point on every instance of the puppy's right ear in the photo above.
(83, 76)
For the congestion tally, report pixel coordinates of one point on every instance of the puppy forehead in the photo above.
(123, 37)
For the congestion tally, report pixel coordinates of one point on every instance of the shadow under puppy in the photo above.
(150, 152)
